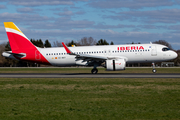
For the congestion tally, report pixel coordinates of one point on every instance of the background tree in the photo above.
(47, 44)
(71, 43)
(111, 43)
(163, 42)
(134, 43)
(86, 41)
(102, 42)
(38, 43)
(7, 47)
(57, 44)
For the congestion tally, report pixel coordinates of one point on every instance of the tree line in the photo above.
(85, 41)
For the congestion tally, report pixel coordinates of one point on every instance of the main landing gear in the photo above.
(154, 70)
(94, 71)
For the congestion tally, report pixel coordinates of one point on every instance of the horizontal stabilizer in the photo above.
(9, 54)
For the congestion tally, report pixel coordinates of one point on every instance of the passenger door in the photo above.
(153, 50)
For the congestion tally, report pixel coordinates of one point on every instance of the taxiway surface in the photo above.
(85, 75)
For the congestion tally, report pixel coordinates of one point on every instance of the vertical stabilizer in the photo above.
(18, 41)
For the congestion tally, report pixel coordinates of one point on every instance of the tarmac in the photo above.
(85, 75)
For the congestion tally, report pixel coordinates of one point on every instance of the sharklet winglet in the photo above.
(67, 49)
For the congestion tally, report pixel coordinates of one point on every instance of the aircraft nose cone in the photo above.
(174, 55)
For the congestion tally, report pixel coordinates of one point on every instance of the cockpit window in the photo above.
(165, 49)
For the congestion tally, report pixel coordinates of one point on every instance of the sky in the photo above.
(120, 21)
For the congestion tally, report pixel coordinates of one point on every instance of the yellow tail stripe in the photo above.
(11, 25)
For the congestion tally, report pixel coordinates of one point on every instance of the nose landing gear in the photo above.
(154, 70)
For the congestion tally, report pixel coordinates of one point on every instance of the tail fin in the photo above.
(18, 41)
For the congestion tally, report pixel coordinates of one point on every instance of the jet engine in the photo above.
(114, 65)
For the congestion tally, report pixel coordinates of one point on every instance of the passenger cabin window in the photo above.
(165, 49)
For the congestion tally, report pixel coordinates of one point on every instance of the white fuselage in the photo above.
(132, 53)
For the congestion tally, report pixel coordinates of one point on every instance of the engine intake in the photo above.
(115, 65)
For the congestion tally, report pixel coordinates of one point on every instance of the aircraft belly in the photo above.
(140, 58)
(63, 61)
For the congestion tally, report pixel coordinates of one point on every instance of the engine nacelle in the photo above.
(113, 65)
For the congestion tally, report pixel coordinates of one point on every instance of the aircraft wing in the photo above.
(90, 57)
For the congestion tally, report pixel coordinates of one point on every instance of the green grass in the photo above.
(89, 99)
(85, 70)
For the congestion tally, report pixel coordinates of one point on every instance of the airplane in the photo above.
(112, 57)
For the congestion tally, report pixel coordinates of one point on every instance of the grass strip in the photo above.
(87, 98)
